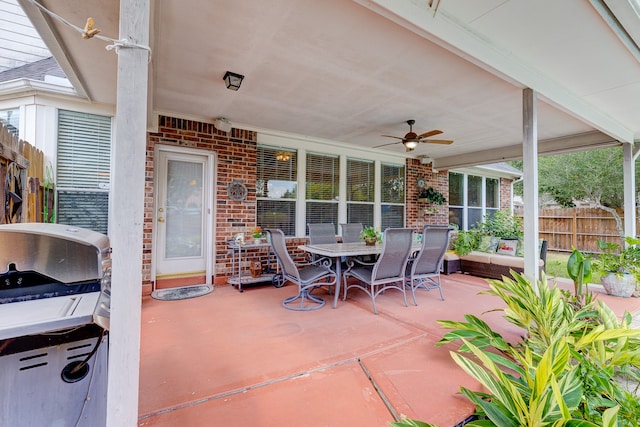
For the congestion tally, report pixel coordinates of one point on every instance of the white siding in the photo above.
(19, 41)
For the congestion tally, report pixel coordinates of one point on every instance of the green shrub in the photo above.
(501, 224)
(568, 369)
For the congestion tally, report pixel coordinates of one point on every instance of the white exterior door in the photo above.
(183, 214)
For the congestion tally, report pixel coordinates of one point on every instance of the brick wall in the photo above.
(236, 159)
(505, 194)
(416, 216)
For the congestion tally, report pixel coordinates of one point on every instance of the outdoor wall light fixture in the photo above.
(233, 80)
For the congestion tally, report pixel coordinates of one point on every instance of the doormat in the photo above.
(184, 292)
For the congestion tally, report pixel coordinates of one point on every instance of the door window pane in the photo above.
(184, 209)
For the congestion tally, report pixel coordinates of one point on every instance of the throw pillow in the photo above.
(488, 244)
(507, 247)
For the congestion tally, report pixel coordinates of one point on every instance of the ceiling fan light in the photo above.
(411, 144)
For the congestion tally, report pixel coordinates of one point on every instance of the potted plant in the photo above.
(619, 267)
(432, 195)
(257, 234)
(370, 235)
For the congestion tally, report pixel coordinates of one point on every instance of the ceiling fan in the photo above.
(412, 139)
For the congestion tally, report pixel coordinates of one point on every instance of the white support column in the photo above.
(629, 168)
(530, 166)
(126, 214)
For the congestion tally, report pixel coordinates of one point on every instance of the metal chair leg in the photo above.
(302, 296)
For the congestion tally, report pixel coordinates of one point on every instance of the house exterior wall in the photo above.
(236, 160)
(39, 118)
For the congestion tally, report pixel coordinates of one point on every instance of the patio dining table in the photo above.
(337, 251)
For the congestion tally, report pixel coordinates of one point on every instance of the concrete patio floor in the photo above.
(241, 359)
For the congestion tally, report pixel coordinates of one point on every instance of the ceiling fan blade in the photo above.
(438, 141)
(430, 133)
(392, 136)
(384, 145)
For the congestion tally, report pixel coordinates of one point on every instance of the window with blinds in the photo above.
(360, 191)
(392, 195)
(10, 119)
(323, 177)
(83, 168)
(276, 189)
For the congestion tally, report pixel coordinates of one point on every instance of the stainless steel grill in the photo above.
(55, 287)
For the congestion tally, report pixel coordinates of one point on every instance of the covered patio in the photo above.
(502, 79)
(268, 366)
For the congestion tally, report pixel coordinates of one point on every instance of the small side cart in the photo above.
(241, 275)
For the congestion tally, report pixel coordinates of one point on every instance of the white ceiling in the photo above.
(351, 71)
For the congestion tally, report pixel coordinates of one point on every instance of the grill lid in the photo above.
(63, 253)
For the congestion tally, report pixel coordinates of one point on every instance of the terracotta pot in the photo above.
(370, 241)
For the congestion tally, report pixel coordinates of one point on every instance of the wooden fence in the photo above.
(579, 227)
(22, 172)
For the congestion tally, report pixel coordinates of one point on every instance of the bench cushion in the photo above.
(477, 256)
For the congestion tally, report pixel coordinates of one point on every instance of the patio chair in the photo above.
(387, 272)
(424, 270)
(319, 234)
(351, 232)
(322, 233)
(307, 277)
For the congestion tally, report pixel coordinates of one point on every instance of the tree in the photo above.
(593, 176)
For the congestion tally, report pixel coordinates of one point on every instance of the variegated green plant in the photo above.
(566, 370)
(579, 270)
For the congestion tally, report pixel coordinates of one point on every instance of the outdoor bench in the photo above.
(489, 265)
